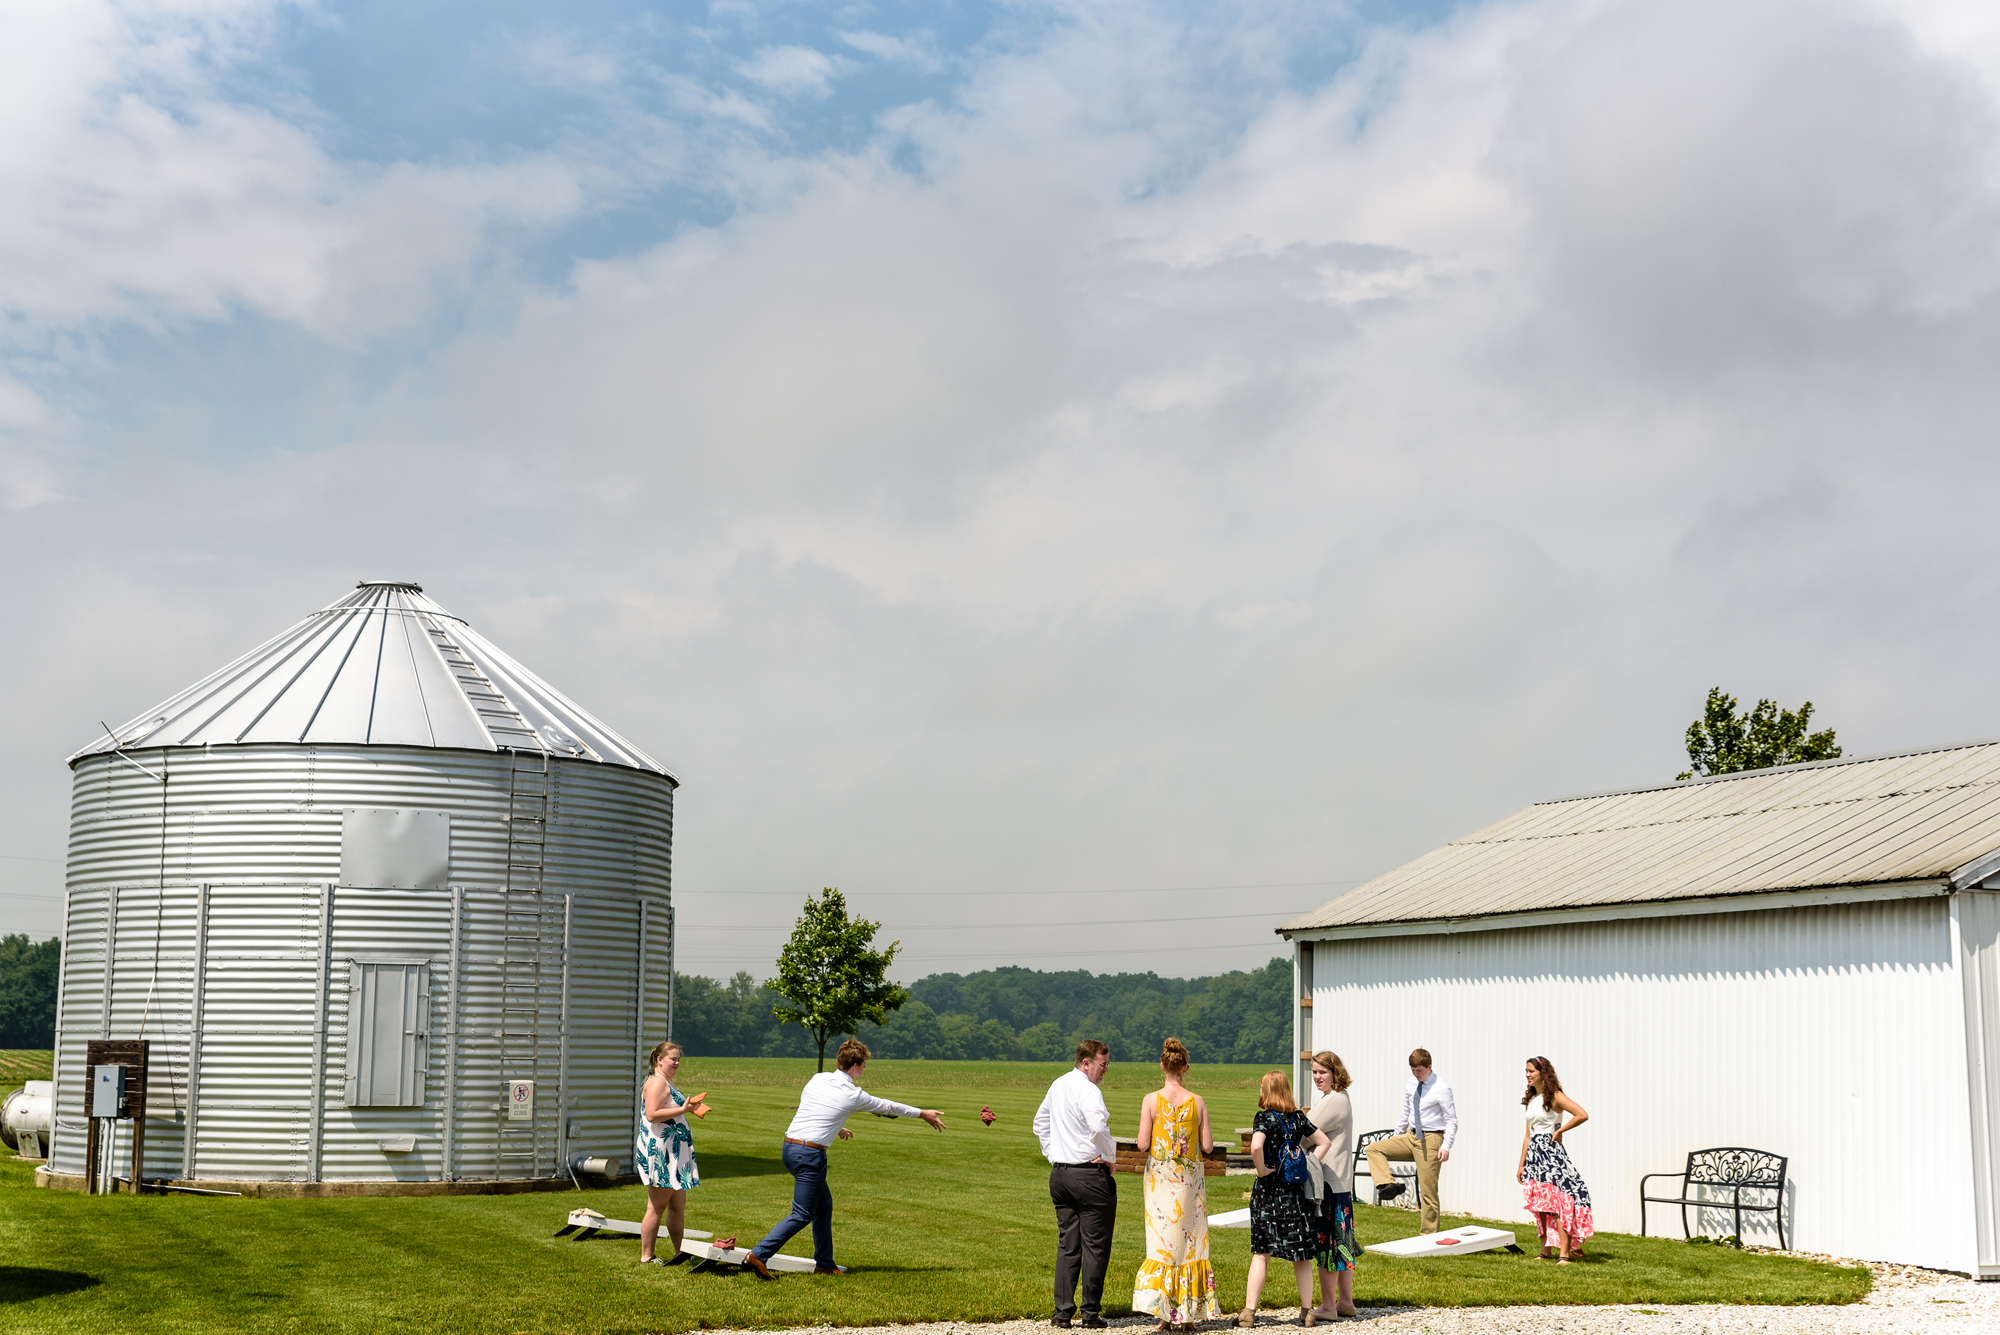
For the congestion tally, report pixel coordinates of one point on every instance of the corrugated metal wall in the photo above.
(242, 984)
(1977, 916)
(1831, 1035)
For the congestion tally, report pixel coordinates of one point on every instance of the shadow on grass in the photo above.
(722, 1166)
(23, 1284)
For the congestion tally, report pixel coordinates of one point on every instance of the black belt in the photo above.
(1094, 1163)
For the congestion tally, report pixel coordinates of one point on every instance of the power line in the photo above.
(981, 894)
(947, 926)
(1037, 954)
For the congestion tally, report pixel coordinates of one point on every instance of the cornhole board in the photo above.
(1457, 1242)
(589, 1223)
(1234, 1219)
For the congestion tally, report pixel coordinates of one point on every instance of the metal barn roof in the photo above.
(383, 665)
(1913, 816)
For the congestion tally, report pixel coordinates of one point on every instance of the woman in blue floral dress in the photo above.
(666, 1155)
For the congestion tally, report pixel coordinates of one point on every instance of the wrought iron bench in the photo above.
(1401, 1171)
(1716, 1180)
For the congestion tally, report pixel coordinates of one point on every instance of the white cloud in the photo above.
(793, 71)
(1148, 493)
(920, 53)
(141, 192)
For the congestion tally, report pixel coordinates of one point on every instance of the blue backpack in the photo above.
(1292, 1159)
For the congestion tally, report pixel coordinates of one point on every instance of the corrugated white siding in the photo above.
(1831, 1035)
(1977, 917)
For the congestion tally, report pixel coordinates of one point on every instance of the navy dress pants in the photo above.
(812, 1204)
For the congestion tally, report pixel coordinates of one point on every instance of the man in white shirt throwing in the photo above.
(1075, 1131)
(825, 1104)
(1424, 1136)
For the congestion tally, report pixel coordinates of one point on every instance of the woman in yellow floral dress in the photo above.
(1176, 1282)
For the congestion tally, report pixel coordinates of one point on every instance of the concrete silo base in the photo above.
(346, 1190)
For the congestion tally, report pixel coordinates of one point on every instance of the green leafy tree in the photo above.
(28, 991)
(1725, 742)
(829, 980)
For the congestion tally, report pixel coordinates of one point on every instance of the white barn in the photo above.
(1801, 960)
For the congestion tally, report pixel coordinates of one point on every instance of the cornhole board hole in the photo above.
(1457, 1242)
(1234, 1219)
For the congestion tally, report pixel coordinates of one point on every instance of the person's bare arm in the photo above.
(1521, 1165)
(1577, 1117)
(934, 1117)
(1257, 1154)
(1146, 1124)
(1207, 1136)
(659, 1104)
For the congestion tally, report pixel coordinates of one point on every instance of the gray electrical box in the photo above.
(107, 1092)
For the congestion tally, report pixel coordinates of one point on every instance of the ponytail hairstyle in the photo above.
(659, 1050)
(1174, 1056)
(1545, 1084)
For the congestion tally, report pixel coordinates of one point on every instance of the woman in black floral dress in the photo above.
(1282, 1221)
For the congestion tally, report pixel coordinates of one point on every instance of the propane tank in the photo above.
(25, 1118)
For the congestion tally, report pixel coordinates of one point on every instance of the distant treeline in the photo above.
(28, 991)
(1017, 1015)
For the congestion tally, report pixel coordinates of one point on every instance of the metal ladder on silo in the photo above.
(503, 722)
(521, 952)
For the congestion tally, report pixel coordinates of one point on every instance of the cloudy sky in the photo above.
(1089, 480)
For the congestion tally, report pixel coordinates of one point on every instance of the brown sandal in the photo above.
(1247, 1318)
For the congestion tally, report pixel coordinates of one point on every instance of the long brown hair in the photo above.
(1174, 1056)
(1545, 1084)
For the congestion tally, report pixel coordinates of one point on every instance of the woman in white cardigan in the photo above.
(1338, 1251)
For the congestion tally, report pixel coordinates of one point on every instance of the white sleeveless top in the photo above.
(1542, 1123)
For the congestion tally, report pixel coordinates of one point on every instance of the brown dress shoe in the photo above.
(755, 1265)
(828, 1270)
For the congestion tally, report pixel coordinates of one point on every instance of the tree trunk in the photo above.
(822, 1052)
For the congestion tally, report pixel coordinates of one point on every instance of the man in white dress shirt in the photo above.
(825, 1104)
(1423, 1136)
(1075, 1130)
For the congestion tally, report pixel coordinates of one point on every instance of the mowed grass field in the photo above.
(952, 1226)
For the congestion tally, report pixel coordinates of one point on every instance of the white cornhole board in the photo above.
(1234, 1219)
(1458, 1242)
(590, 1222)
(801, 1265)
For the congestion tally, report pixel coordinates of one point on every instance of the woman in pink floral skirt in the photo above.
(1551, 1188)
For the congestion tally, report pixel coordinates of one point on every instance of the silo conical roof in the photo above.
(384, 665)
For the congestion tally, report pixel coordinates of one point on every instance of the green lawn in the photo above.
(19, 1064)
(933, 1226)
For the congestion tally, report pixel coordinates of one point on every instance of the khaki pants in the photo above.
(1405, 1148)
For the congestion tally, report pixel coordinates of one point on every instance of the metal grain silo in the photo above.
(351, 887)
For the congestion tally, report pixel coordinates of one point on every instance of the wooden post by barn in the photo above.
(130, 1054)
